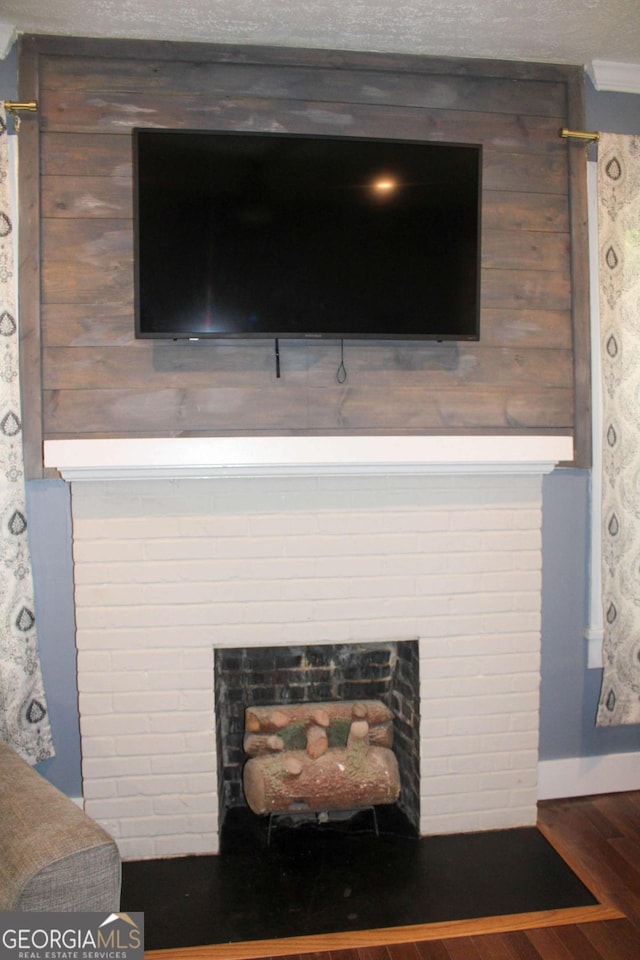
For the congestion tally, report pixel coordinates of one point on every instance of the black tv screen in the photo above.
(278, 235)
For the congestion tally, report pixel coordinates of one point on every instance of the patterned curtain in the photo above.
(619, 278)
(23, 713)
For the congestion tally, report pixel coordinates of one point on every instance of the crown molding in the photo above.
(609, 75)
(8, 36)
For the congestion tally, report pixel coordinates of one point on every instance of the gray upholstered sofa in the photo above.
(53, 857)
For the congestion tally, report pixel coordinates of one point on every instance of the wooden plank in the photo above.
(501, 326)
(78, 282)
(102, 324)
(111, 198)
(435, 950)
(94, 241)
(525, 173)
(617, 940)
(186, 365)
(524, 249)
(84, 154)
(79, 197)
(471, 407)
(525, 289)
(97, 324)
(576, 943)
(81, 154)
(105, 240)
(462, 949)
(493, 946)
(394, 935)
(82, 255)
(120, 114)
(508, 210)
(569, 829)
(617, 814)
(97, 254)
(175, 412)
(81, 282)
(85, 77)
(99, 239)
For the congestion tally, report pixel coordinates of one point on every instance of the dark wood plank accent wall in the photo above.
(86, 376)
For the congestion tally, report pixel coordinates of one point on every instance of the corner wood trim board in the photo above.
(370, 938)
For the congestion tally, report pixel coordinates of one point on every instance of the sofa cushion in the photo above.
(53, 857)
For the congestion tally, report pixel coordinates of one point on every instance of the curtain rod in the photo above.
(15, 106)
(580, 134)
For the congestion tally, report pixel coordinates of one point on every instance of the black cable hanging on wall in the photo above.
(341, 373)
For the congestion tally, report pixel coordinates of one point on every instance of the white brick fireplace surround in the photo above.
(182, 547)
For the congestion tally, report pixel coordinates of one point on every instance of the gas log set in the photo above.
(319, 757)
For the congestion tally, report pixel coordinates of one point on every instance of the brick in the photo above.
(187, 805)
(111, 768)
(285, 562)
(182, 763)
(95, 703)
(121, 808)
(182, 845)
(147, 702)
(136, 848)
(112, 725)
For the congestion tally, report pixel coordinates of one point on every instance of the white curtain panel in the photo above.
(24, 722)
(619, 278)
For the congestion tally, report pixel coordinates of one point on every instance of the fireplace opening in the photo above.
(349, 674)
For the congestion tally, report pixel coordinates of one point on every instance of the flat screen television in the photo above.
(280, 235)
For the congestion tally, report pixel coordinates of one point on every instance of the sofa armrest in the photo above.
(53, 857)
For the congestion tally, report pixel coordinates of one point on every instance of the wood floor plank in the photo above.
(403, 951)
(493, 946)
(629, 850)
(462, 949)
(577, 944)
(351, 954)
(432, 950)
(619, 810)
(573, 835)
(373, 953)
(548, 944)
(333, 942)
(605, 826)
(616, 940)
(522, 947)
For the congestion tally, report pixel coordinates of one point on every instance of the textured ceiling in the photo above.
(561, 31)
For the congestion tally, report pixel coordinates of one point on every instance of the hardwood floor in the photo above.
(599, 837)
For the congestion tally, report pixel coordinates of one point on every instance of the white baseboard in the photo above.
(79, 801)
(584, 776)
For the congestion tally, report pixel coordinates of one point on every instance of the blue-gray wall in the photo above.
(569, 691)
(49, 518)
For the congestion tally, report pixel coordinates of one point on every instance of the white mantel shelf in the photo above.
(209, 457)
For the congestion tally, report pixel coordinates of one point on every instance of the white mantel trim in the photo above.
(208, 457)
